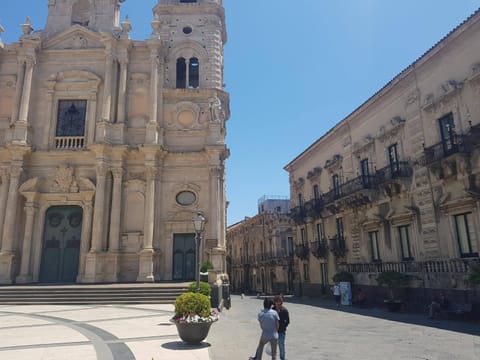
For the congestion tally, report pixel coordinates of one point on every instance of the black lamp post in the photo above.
(199, 226)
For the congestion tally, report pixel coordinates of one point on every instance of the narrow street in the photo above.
(320, 331)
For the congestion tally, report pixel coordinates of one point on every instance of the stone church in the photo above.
(110, 146)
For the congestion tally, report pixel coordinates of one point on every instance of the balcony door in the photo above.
(447, 133)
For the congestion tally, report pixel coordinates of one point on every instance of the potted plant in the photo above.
(393, 280)
(193, 317)
(474, 276)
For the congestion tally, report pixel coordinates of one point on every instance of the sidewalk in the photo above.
(113, 332)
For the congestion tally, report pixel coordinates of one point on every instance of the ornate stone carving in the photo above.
(334, 163)
(216, 109)
(392, 130)
(64, 181)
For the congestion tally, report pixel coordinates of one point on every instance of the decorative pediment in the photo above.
(447, 91)
(474, 77)
(458, 205)
(404, 217)
(73, 80)
(298, 184)
(77, 37)
(392, 130)
(364, 144)
(334, 163)
(314, 173)
(64, 180)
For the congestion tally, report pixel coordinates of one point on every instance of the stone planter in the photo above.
(193, 333)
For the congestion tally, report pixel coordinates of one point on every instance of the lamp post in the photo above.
(199, 226)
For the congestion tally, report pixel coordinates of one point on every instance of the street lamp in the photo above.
(199, 226)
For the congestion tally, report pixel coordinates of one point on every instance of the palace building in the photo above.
(110, 146)
(395, 186)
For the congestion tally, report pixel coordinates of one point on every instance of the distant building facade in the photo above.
(260, 249)
(109, 146)
(396, 184)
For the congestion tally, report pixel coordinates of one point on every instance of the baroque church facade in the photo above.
(110, 146)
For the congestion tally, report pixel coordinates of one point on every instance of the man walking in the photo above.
(284, 321)
(269, 323)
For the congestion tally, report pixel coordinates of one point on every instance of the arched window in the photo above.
(81, 12)
(188, 77)
(193, 73)
(181, 73)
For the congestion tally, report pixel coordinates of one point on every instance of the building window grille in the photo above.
(365, 172)
(306, 272)
(336, 184)
(466, 238)
(405, 243)
(447, 134)
(316, 192)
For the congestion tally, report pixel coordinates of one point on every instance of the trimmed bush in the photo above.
(205, 288)
(192, 303)
(343, 276)
(474, 276)
(207, 265)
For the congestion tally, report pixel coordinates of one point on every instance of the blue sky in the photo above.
(293, 69)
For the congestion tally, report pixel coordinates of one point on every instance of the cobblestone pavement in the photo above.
(320, 331)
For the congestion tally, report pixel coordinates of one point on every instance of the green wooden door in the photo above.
(61, 244)
(184, 257)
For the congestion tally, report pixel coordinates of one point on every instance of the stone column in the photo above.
(122, 92)
(107, 89)
(154, 64)
(25, 271)
(10, 216)
(18, 90)
(86, 238)
(5, 177)
(98, 215)
(116, 210)
(151, 174)
(27, 89)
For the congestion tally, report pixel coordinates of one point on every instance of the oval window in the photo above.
(187, 30)
(185, 198)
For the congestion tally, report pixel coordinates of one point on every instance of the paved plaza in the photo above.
(319, 330)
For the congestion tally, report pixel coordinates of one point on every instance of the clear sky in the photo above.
(293, 69)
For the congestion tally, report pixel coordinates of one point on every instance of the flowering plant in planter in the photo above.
(194, 308)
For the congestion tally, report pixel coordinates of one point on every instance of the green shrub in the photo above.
(393, 279)
(343, 276)
(192, 303)
(207, 265)
(204, 288)
(474, 276)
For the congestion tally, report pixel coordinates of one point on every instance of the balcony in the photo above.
(401, 169)
(338, 246)
(353, 193)
(453, 145)
(450, 266)
(69, 142)
(298, 215)
(319, 249)
(313, 208)
(302, 251)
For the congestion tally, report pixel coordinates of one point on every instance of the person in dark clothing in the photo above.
(284, 321)
(439, 304)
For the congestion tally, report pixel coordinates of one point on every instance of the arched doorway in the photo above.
(61, 244)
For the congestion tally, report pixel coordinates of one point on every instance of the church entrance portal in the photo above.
(184, 257)
(61, 244)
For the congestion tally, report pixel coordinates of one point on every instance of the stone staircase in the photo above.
(105, 294)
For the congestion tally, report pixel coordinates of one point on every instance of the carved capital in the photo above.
(118, 172)
(102, 170)
(15, 171)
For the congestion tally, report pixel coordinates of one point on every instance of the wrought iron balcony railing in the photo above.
(302, 251)
(401, 169)
(319, 249)
(338, 246)
(298, 214)
(453, 145)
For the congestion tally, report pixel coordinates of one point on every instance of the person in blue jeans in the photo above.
(269, 323)
(283, 323)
